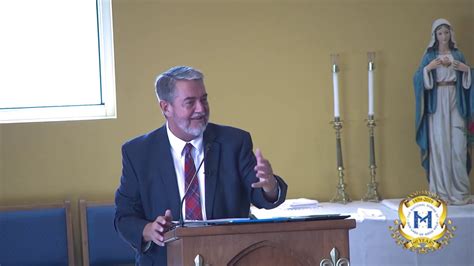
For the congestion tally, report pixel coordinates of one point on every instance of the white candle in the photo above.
(335, 83)
(370, 59)
(371, 92)
(336, 94)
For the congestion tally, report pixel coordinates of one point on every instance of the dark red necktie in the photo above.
(193, 197)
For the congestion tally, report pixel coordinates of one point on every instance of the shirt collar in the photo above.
(178, 144)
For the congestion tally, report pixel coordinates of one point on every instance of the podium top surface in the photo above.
(233, 229)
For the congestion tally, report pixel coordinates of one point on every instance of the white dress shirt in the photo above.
(177, 146)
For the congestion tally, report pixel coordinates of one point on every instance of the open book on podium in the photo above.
(292, 210)
(253, 220)
(295, 208)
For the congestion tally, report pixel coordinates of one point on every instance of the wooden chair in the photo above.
(37, 234)
(101, 244)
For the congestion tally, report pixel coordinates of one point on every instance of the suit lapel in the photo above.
(167, 171)
(211, 168)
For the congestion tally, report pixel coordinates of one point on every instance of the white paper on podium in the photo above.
(290, 208)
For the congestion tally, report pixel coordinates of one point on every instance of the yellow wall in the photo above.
(267, 71)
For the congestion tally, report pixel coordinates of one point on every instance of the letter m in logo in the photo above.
(419, 219)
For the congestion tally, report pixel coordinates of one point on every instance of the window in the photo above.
(57, 60)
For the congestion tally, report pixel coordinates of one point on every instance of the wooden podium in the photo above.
(285, 243)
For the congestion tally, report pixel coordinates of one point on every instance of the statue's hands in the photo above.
(460, 66)
(446, 61)
(434, 64)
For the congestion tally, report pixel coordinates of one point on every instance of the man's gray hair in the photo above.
(165, 82)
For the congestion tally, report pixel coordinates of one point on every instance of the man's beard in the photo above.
(193, 131)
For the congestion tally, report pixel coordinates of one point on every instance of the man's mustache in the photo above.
(198, 115)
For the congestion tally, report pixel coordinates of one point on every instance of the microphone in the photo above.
(181, 217)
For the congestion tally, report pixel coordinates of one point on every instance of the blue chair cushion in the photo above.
(105, 245)
(33, 237)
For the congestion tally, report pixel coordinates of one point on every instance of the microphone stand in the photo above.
(181, 217)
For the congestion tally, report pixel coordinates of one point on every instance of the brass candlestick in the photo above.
(341, 194)
(372, 194)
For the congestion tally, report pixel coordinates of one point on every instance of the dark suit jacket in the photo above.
(148, 184)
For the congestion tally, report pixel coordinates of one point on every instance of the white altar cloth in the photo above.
(371, 243)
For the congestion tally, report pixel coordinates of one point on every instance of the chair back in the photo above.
(101, 244)
(37, 234)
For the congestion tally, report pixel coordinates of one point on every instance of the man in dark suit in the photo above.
(160, 167)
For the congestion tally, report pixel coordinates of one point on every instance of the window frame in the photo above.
(104, 110)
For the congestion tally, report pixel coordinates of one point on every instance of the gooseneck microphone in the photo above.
(181, 217)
